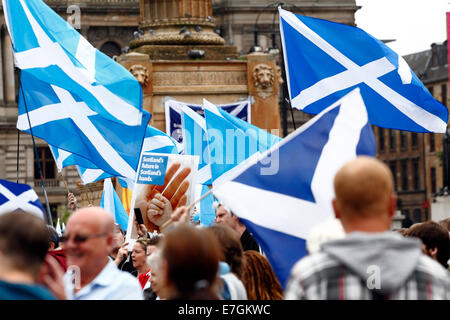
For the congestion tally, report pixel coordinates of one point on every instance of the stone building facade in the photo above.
(109, 25)
(417, 159)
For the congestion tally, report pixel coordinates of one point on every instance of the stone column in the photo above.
(2, 91)
(10, 88)
(178, 23)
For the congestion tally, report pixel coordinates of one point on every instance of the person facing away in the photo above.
(259, 278)
(435, 240)
(370, 262)
(23, 248)
(189, 264)
(91, 274)
(232, 257)
(226, 217)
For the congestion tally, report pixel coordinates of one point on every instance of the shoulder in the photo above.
(235, 286)
(311, 264)
(307, 274)
(432, 268)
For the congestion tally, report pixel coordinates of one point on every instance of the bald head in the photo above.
(363, 187)
(89, 234)
(97, 218)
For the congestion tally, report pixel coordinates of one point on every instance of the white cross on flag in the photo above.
(325, 60)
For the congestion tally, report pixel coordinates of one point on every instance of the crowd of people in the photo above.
(93, 261)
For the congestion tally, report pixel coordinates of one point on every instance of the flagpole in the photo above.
(17, 164)
(49, 215)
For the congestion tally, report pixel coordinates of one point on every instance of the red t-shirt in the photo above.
(143, 278)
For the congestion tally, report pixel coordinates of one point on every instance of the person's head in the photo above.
(88, 240)
(259, 279)
(53, 238)
(118, 237)
(435, 240)
(139, 253)
(153, 243)
(231, 246)
(190, 263)
(365, 199)
(23, 243)
(224, 216)
(446, 224)
(154, 262)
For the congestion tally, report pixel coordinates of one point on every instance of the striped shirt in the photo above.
(322, 277)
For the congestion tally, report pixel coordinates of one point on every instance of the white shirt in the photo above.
(109, 284)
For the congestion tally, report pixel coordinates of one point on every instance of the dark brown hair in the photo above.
(192, 257)
(231, 247)
(24, 241)
(259, 279)
(433, 235)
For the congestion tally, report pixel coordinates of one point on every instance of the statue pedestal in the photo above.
(218, 81)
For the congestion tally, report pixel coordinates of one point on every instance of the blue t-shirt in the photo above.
(20, 291)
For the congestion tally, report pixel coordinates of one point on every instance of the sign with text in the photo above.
(164, 182)
(152, 170)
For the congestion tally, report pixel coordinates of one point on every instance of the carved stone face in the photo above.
(140, 73)
(263, 76)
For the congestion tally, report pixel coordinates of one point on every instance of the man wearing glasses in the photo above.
(91, 275)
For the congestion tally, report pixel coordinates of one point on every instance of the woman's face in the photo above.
(138, 256)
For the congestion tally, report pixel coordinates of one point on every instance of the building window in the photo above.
(404, 170)
(432, 146)
(433, 179)
(381, 139)
(417, 215)
(403, 139)
(414, 142)
(444, 94)
(391, 139)
(111, 49)
(47, 163)
(416, 174)
(393, 167)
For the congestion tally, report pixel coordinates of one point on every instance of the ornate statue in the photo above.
(140, 73)
(263, 78)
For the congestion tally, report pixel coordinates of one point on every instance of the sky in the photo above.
(414, 24)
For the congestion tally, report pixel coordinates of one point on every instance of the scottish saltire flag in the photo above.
(111, 202)
(17, 196)
(77, 98)
(155, 141)
(231, 140)
(240, 109)
(204, 210)
(195, 142)
(325, 60)
(282, 194)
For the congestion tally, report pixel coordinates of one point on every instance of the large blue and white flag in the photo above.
(240, 109)
(111, 202)
(195, 142)
(155, 141)
(231, 140)
(72, 95)
(325, 60)
(17, 196)
(282, 194)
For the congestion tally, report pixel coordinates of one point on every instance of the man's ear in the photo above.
(337, 214)
(392, 204)
(433, 252)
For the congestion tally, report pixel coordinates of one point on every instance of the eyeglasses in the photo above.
(78, 239)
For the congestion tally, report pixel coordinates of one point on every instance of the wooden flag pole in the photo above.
(64, 180)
